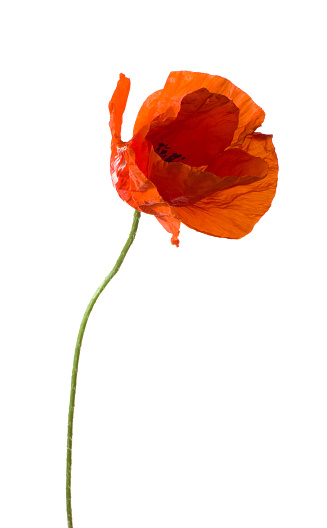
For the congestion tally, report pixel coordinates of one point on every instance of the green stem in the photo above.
(88, 310)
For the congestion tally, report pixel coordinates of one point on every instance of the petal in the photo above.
(180, 185)
(172, 225)
(181, 83)
(117, 106)
(139, 192)
(149, 110)
(203, 128)
(237, 167)
(233, 212)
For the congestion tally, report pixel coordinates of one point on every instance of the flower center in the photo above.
(162, 151)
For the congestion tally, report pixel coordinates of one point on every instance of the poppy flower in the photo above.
(194, 156)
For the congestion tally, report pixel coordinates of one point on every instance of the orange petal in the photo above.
(117, 106)
(149, 110)
(178, 183)
(233, 212)
(172, 226)
(139, 192)
(181, 83)
(237, 167)
(203, 128)
(181, 185)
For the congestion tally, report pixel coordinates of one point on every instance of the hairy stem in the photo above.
(86, 315)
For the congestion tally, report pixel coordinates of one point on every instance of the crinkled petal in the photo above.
(117, 106)
(233, 212)
(180, 83)
(172, 225)
(203, 128)
(149, 110)
(139, 192)
(180, 184)
(238, 167)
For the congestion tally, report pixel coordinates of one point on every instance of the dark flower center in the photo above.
(162, 150)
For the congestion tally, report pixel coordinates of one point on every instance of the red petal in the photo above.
(181, 185)
(233, 212)
(139, 192)
(149, 110)
(237, 167)
(203, 128)
(117, 106)
(181, 83)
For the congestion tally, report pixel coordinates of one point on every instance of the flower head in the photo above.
(195, 157)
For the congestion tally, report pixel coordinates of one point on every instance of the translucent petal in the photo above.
(233, 212)
(139, 192)
(180, 83)
(203, 128)
(180, 184)
(117, 106)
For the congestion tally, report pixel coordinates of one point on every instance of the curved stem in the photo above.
(88, 310)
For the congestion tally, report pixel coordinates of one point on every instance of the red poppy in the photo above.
(195, 157)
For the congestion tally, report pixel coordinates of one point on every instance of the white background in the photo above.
(201, 398)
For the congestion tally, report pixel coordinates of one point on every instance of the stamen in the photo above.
(162, 150)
